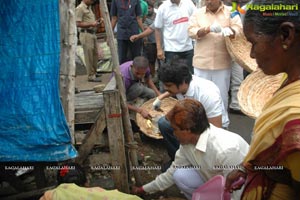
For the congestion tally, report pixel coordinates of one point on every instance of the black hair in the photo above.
(140, 62)
(150, 4)
(176, 72)
(71, 173)
(159, 3)
(269, 25)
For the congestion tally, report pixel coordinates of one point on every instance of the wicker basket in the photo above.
(256, 90)
(150, 128)
(239, 49)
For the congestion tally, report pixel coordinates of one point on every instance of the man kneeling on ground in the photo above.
(205, 151)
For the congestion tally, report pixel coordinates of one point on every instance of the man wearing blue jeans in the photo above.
(178, 81)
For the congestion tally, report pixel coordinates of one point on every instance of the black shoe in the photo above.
(234, 111)
(98, 75)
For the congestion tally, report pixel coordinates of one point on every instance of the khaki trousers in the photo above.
(89, 45)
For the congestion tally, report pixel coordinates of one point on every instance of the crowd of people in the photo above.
(184, 46)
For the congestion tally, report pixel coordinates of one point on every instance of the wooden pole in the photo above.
(68, 42)
(116, 139)
(125, 114)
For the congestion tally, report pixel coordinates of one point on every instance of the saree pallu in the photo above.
(276, 136)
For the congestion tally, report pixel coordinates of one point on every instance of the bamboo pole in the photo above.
(125, 114)
(68, 40)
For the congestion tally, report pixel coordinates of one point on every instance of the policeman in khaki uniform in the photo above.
(85, 20)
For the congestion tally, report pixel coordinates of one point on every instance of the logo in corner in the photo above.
(236, 10)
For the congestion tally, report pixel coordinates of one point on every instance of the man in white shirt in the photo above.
(205, 151)
(171, 23)
(179, 82)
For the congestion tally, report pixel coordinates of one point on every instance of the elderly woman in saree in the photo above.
(272, 165)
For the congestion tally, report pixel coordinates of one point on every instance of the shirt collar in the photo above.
(190, 92)
(86, 6)
(203, 139)
(131, 74)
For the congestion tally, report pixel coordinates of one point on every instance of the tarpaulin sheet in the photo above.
(32, 123)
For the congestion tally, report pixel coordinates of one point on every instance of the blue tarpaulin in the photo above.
(32, 123)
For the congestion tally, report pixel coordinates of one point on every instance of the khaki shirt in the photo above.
(210, 52)
(84, 13)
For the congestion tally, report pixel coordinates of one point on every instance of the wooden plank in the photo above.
(116, 139)
(90, 101)
(93, 101)
(86, 101)
(89, 104)
(111, 85)
(120, 85)
(84, 117)
(91, 137)
(86, 93)
(68, 42)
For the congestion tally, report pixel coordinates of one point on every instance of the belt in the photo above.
(87, 31)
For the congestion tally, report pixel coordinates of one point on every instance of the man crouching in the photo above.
(205, 151)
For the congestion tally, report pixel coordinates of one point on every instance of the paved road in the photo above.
(241, 125)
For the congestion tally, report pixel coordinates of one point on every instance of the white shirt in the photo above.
(173, 19)
(217, 152)
(208, 94)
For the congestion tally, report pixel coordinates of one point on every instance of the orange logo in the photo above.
(236, 9)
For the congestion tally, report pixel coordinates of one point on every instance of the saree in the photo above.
(276, 137)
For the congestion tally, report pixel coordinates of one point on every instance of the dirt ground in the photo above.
(151, 154)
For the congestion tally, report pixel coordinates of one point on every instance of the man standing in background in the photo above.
(209, 26)
(87, 24)
(172, 20)
(127, 13)
(144, 7)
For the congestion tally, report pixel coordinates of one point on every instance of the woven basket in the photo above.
(152, 131)
(239, 50)
(256, 90)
